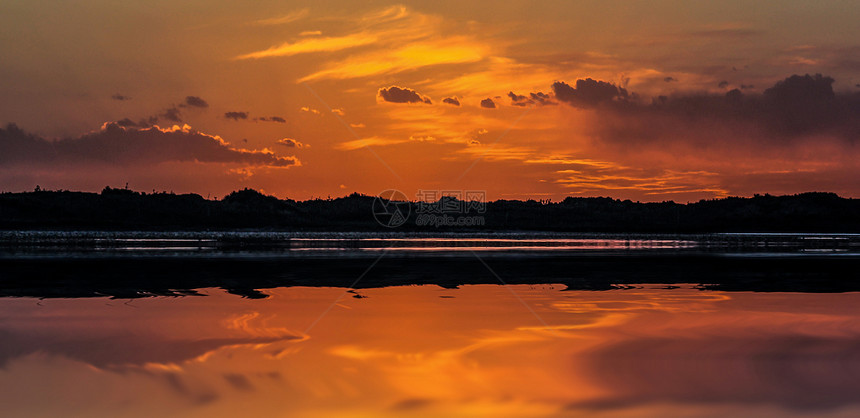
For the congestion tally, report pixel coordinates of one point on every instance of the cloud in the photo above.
(518, 100)
(287, 18)
(120, 97)
(338, 112)
(126, 122)
(542, 98)
(115, 145)
(236, 115)
(276, 119)
(310, 110)
(495, 152)
(392, 60)
(538, 98)
(723, 84)
(670, 79)
(387, 41)
(588, 92)
(368, 142)
(143, 123)
(292, 143)
(396, 94)
(729, 368)
(726, 31)
(488, 103)
(805, 103)
(797, 107)
(310, 33)
(310, 45)
(451, 101)
(194, 101)
(172, 115)
(588, 178)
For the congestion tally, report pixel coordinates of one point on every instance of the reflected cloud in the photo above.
(119, 350)
(803, 373)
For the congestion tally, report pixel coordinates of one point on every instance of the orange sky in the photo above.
(297, 101)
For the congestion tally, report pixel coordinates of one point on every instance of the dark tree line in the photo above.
(116, 209)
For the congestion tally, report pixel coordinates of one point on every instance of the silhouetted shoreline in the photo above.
(135, 277)
(121, 209)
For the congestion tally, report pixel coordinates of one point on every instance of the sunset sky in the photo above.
(650, 101)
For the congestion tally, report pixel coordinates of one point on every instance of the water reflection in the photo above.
(429, 351)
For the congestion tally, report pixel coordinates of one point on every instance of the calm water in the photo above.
(542, 349)
(285, 244)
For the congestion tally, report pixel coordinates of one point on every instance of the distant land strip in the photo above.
(123, 209)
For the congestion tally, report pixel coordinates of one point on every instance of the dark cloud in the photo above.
(734, 96)
(538, 98)
(726, 33)
(728, 369)
(456, 102)
(670, 79)
(277, 119)
(112, 347)
(723, 84)
(142, 123)
(796, 107)
(171, 115)
(120, 97)
(236, 115)
(291, 143)
(396, 94)
(239, 381)
(518, 100)
(194, 101)
(125, 123)
(488, 103)
(803, 103)
(588, 92)
(747, 86)
(516, 97)
(116, 145)
(542, 98)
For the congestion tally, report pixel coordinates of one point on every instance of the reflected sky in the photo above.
(429, 351)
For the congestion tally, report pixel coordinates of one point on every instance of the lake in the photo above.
(367, 324)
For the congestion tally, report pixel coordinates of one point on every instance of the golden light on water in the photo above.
(428, 351)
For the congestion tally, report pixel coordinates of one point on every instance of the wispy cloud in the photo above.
(455, 50)
(369, 141)
(394, 40)
(287, 18)
(310, 45)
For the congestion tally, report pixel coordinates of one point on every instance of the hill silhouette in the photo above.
(123, 209)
